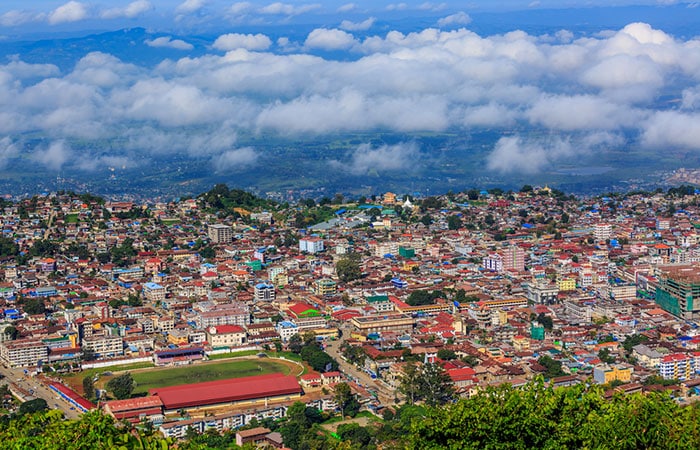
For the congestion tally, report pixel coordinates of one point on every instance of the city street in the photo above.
(385, 394)
(36, 389)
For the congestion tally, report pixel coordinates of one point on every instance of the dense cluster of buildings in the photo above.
(520, 275)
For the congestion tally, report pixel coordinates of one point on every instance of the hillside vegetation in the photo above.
(535, 416)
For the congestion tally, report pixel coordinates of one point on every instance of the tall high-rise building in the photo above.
(219, 233)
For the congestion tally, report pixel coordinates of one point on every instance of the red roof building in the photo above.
(133, 409)
(274, 385)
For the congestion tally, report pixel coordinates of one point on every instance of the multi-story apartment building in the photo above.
(324, 286)
(493, 262)
(513, 258)
(23, 352)
(310, 323)
(606, 373)
(264, 292)
(226, 335)
(104, 346)
(223, 315)
(154, 292)
(219, 233)
(380, 303)
(602, 231)
(679, 366)
(311, 244)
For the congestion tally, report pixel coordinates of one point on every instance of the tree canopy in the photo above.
(348, 268)
(121, 386)
(421, 297)
(540, 417)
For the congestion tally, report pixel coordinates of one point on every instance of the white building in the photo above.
(104, 346)
(23, 352)
(311, 244)
(264, 292)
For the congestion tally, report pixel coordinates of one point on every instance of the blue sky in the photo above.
(46, 15)
(223, 70)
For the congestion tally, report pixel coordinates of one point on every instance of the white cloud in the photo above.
(232, 41)
(581, 112)
(70, 12)
(396, 6)
(347, 7)
(169, 42)
(366, 159)
(516, 155)
(459, 18)
(490, 115)
(428, 6)
(286, 9)
(235, 160)
(14, 18)
(357, 26)
(329, 39)
(596, 92)
(691, 98)
(241, 8)
(672, 129)
(351, 110)
(190, 6)
(133, 9)
(8, 150)
(55, 156)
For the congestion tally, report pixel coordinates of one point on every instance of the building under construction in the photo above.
(678, 290)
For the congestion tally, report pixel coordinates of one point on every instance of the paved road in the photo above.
(37, 389)
(385, 393)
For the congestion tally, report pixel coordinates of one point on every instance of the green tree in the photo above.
(295, 343)
(553, 367)
(355, 434)
(410, 383)
(8, 247)
(122, 254)
(346, 400)
(536, 416)
(89, 387)
(633, 340)
(348, 268)
(545, 321)
(446, 355)
(121, 386)
(34, 306)
(605, 356)
(11, 332)
(423, 297)
(454, 222)
(32, 406)
(89, 354)
(207, 253)
(436, 386)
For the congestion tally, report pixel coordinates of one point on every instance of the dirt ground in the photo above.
(332, 427)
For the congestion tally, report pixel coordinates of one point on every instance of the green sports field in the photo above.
(172, 376)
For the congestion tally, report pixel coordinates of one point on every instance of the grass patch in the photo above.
(170, 221)
(234, 354)
(287, 355)
(76, 379)
(71, 218)
(198, 373)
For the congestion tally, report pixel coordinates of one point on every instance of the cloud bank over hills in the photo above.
(585, 93)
